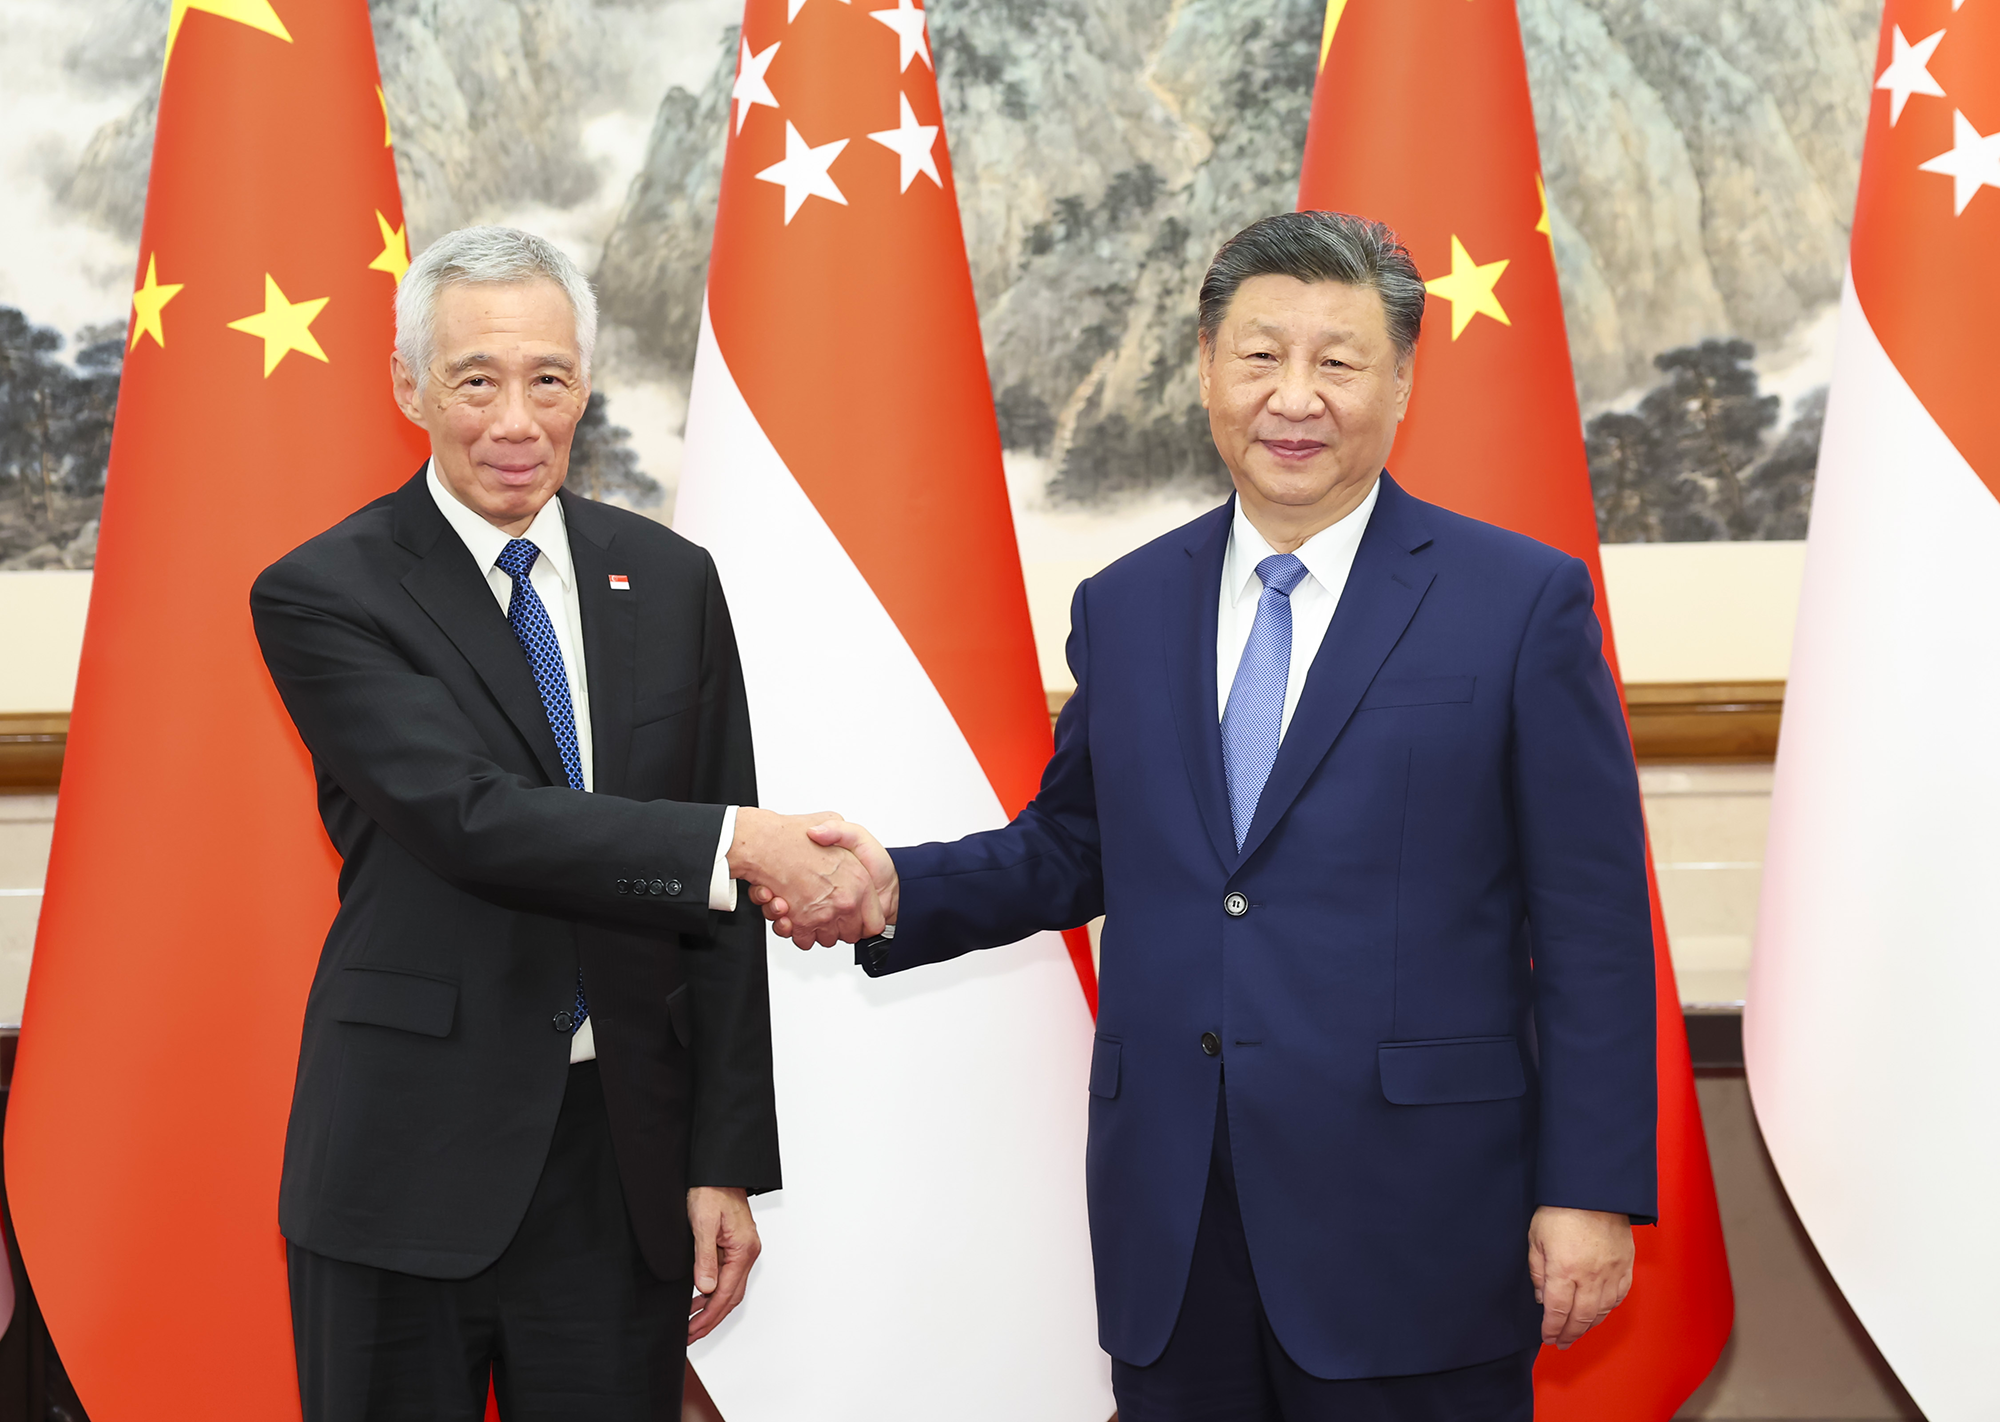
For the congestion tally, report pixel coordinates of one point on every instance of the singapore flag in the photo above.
(1870, 1033)
(928, 1256)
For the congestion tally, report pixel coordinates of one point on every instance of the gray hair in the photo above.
(484, 255)
(1320, 246)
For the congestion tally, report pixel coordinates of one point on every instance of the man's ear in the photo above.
(1406, 379)
(1204, 360)
(404, 385)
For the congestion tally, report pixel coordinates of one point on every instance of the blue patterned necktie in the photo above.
(537, 636)
(1256, 708)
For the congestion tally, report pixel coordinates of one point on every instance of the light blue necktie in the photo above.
(1256, 708)
(537, 636)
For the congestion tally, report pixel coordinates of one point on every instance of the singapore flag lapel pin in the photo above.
(620, 583)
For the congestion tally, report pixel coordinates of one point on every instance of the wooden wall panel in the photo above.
(1671, 721)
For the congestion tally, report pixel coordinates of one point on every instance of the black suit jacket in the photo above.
(475, 882)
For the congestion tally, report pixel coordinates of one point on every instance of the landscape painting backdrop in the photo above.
(1701, 159)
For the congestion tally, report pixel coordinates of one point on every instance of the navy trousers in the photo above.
(1224, 1364)
(569, 1322)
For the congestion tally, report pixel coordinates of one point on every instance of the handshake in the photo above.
(817, 878)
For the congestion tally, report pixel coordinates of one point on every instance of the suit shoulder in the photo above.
(1498, 551)
(1142, 568)
(632, 531)
(339, 553)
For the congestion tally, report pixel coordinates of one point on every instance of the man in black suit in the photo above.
(534, 1088)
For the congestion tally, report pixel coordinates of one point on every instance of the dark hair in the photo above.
(1320, 246)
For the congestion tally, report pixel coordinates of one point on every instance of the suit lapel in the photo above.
(1192, 595)
(610, 639)
(447, 584)
(1382, 594)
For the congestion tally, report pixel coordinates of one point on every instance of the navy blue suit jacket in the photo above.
(1437, 1011)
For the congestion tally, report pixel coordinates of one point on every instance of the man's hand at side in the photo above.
(834, 832)
(1581, 1264)
(826, 890)
(725, 1246)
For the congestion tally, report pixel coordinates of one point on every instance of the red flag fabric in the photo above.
(190, 884)
(842, 465)
(1421, 119)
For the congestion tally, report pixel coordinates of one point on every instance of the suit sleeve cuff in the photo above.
(722, 888)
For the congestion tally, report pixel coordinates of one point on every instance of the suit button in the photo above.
(1211, 1045)
(564, 1021)
(624, 886)
(658, 886)
(1236, 905)
(673, 888)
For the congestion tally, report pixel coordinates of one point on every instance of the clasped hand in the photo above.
(817, 878)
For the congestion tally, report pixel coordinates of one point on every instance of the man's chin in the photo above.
(528, 494)
(1297, 486)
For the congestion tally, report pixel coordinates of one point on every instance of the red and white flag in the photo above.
(1870, 1033)
(929, 1254)
(1421, 119)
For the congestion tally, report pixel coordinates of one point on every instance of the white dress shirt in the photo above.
(1328, 556)
(553, 578)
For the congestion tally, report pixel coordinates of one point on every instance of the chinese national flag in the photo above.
(190, 884)
(1421, 119)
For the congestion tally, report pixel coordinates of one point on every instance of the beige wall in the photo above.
(41, 632)
(26, 823)
(1707, 824)
(1703, 611)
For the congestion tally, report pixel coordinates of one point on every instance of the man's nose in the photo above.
(515, 418)
(1295, 396)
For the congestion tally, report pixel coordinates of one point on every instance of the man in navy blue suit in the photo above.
(1372, 1096)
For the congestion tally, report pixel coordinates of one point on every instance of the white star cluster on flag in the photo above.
(1973, 160)
(806, 169)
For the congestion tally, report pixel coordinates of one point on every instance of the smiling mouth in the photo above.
(1294, 448)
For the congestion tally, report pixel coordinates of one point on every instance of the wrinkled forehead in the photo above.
(505, 325)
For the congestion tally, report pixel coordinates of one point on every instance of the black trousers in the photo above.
(1224, 1364)
(569, 1322)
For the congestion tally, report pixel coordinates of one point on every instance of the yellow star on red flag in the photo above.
(284, 326)
(1469, 288)
(257, 14)
(147, 304)
(394, 258)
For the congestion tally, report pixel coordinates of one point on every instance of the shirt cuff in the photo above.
(722, 888)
